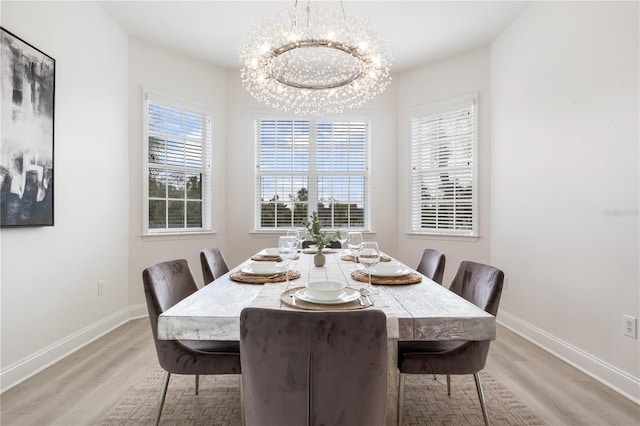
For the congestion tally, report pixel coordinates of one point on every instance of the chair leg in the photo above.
(197, 383)
(401, 399)
(242, 419)
(449, 384)
(483, 404)
(163, 394)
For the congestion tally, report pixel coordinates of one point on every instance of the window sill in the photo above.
(283, 231)
(178, 235)
(443, 237)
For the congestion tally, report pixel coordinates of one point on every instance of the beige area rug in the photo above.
(426, 402)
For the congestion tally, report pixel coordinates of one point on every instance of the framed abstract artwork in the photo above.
(26, 147)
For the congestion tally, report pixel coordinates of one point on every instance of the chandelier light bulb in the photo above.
(314, 68)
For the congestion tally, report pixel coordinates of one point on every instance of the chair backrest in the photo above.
(432, 265)
(313, 368)
(213, 264)
(479, 284)
(165, 284)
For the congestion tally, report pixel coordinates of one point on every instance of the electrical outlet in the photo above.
(101, 288)
(630, 327)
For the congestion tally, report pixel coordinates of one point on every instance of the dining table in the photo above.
(416, 309)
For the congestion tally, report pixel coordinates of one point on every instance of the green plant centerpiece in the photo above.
(320, 238)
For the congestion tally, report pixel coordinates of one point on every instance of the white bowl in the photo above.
(389, 269)
(326, 290)
(263, 267)
(270, 251)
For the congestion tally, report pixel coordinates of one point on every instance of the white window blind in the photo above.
(178, 169)
(306, 166)
(443, 141)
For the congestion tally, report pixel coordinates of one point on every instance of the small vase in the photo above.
(319, 259)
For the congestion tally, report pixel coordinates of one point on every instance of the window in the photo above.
(443, 182)
(177, 169)
(306, 166)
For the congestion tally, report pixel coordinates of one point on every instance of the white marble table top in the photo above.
(424, 311)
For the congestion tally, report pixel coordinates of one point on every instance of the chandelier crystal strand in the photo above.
(314, 60)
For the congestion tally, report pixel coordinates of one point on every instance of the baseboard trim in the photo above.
(610, 376)
(35, 363)
(138, 311)
(616, 379)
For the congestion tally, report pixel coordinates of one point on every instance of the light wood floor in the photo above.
(79, 389)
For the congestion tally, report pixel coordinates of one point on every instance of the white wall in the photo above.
(565, 182)
(194, 81)
(449, 78)
(50, 302)
(242, 110)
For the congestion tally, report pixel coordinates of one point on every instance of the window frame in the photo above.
(435, 108)
(157, 97)
(313, 172)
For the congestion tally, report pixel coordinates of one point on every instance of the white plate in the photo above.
(389, 270)
(314, 251)
(325, 290)
(262, 271)
(349, 295)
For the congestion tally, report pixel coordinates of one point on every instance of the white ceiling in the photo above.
(418, 31)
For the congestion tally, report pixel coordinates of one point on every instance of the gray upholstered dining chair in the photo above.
(481, 285)
(213, 264)
(313, 368)
(432, 265)
(165, 284)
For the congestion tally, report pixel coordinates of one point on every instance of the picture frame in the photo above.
(27, 84)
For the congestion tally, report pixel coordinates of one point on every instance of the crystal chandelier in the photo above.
(314, 60)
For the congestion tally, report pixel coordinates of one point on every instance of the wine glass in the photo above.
(287, 250)
(343, 237)
(369, 256)
(302, 235)
(354, 242)
(293, 233)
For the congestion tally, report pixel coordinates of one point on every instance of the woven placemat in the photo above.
(241, 277)
(349, 258)
(269, 258)
(286, 298)
(411, 278)
(265, 258)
